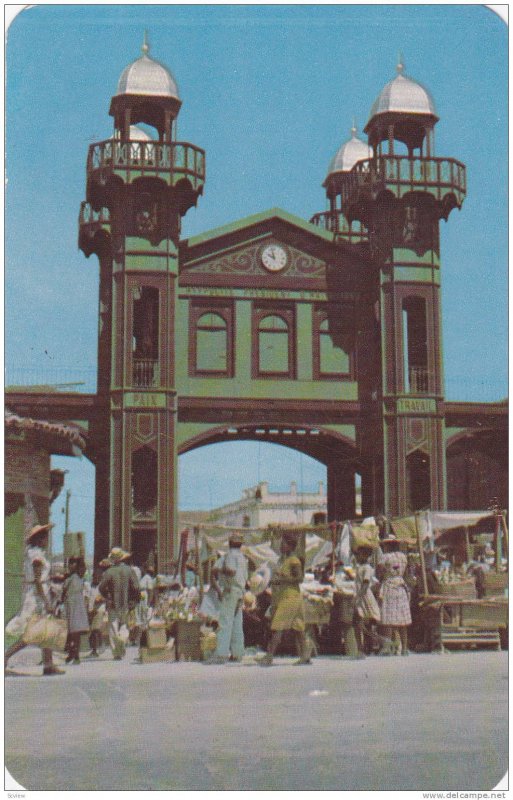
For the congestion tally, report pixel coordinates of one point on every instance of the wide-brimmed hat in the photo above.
(105, 563)
(235, 538)
(117, 554)
(36, 530)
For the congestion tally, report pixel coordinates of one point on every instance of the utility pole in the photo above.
(66, 518)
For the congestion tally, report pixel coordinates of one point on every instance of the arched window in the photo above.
(273, 346)
(333, 360)
(211, 343)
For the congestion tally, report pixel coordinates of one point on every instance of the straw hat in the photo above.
(105, 563)
(117, 554)
(38, 529)
(249, 600)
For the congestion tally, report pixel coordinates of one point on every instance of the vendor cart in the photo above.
(454, 622)
(452, 614)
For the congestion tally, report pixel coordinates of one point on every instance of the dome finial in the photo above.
(145, 46)
(400, 64)
(354, 129)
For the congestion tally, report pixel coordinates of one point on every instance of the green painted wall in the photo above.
(242, 384)
(13, 554)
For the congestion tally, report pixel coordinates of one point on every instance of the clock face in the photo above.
(274, 257)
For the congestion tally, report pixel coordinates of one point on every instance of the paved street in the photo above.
(431, 722)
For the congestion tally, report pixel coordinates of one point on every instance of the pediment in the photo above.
(269, 247)
(249, 260)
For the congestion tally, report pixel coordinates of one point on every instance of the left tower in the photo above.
(140, 183)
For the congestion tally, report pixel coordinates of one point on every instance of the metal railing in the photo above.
(336, 222)
(146, 373)
(441, 176)
(418, 380)
(150, 157)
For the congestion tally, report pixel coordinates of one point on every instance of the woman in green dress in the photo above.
(287, 611)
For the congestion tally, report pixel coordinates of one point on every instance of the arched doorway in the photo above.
(335, 455)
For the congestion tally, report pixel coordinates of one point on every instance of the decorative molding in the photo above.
(247, 261)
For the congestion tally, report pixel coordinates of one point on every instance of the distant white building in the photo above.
(258, 508)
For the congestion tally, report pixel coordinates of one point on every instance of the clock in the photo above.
(274, 257)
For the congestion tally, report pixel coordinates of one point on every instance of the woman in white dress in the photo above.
(36, 595)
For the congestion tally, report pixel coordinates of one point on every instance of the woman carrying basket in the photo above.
(36, 595)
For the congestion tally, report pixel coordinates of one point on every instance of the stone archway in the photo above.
(331, 448)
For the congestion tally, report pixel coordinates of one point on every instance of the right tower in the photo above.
(399, 195)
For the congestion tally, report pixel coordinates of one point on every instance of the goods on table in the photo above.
(495, 583)
(450, 583)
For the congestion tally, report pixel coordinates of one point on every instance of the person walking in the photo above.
(97, 609)
(366, 605)
(230, 576)
(36, 595)
(75, 605)
(118, 585)
(287, 612)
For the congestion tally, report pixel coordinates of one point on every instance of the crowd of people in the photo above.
(376, 595)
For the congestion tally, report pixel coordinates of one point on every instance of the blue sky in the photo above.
(270, 93)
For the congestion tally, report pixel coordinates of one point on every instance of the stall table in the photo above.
(460, 622)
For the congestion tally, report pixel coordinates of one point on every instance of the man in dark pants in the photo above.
(118, 585)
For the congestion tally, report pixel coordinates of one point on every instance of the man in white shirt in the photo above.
(230, 576)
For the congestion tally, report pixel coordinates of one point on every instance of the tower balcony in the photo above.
(336, 223)
(91, 225)
(145, 373)
(129, 160)
(443, 178)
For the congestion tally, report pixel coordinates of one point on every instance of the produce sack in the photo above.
(47, 632)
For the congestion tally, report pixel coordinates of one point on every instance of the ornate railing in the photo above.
(148, 157)
(88, 216)
(419, 380)
(400, 174)
(335, 222)
(146, 373)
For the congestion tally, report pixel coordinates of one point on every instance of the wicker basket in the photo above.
(466, 587)
(495, 583)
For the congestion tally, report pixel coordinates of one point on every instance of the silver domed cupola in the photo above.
(352, 151)
(145, 76)
(403, 111)
(147, 92)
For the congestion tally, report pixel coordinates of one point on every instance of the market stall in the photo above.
(464, 597)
